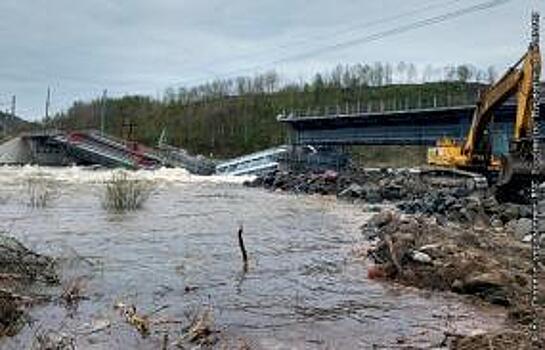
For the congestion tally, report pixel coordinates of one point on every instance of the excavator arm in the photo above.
(515, 80)
(474, 153)
(523, 122)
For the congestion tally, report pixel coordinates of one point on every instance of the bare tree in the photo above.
(271, 81)
(491, 74)
(336, 76)
(388, 74)
(463, 73)
(412, 73)
(401, 68)
(449, 73)
(427, 75)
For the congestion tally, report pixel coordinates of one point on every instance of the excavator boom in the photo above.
(474, 153)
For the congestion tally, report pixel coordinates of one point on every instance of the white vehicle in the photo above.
(253, 164)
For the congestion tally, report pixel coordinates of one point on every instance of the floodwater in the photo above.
(306, 286)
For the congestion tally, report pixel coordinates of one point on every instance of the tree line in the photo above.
(229, 117)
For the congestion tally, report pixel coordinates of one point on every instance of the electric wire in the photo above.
(365, 39)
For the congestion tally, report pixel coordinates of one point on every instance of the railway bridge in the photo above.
(416, 126)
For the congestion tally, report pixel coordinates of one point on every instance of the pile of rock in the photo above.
(418, 251)
(371, 185)
(410, 192)
(325, 183)
(486, 262)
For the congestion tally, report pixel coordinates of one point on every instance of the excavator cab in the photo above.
(446, 152)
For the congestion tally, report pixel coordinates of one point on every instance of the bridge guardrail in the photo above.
(398, 105)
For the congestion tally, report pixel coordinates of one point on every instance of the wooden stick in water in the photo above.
(242, 248)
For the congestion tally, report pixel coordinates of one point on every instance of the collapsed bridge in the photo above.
(91, 147)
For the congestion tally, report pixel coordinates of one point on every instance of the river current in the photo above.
(306, 286)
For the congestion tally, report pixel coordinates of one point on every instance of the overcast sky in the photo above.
(80, 48)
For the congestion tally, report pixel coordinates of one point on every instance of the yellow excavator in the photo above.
(474, 154)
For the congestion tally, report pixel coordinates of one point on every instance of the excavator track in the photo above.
(453, 177)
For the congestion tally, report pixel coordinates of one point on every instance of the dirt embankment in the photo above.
(20, 271)
(489, 263)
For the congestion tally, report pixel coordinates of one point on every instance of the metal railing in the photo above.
(381, 106)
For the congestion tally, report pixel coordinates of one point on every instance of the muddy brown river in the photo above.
(306, 286)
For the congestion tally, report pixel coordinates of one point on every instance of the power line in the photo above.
(401, 29)
(349, 29)
(370, 38)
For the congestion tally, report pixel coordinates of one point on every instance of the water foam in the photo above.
(89, 175)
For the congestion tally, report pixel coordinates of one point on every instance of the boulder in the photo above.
(490, 205)
(392, 192)
(352, 191)
(491, 286)
(382, 219)
(520, 227)
(496, 223)
(467, 215)
(525, 211)
(372, 194)
(510, 212)
(371, 228)
(449, 201)
(420, 257)
(473, 203)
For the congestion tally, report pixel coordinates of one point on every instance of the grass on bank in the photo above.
(125, 194)
(40, 191)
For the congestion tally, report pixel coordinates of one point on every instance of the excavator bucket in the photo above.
(515, 176)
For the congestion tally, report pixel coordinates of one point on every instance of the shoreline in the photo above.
(461, 241)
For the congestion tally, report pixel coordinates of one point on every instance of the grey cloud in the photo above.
(142, 46)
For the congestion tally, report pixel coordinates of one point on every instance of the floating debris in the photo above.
(140, 322)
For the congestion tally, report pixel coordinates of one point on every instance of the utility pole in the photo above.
(9, 116)
(47, 103)
(103, 112)
(13, 104)
(5, 125)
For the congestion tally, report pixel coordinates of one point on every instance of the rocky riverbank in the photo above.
(442, 235)
(411, 192)
(488, 263)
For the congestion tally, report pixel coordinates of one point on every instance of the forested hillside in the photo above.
(10, 125)
(234, 116)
